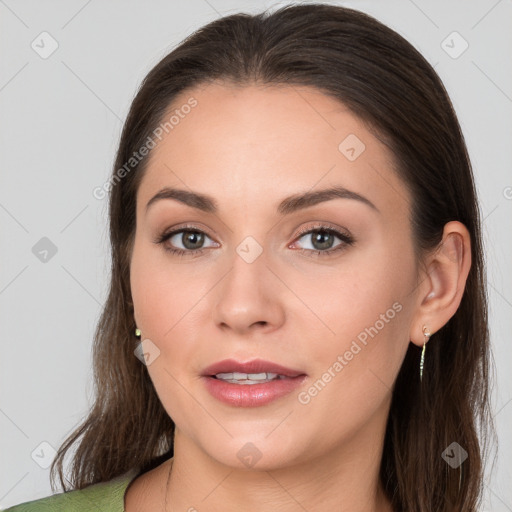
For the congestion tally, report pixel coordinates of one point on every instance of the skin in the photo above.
(250, 147)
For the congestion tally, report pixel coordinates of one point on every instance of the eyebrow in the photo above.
(287, 206)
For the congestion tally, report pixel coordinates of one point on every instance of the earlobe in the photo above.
(444, 282)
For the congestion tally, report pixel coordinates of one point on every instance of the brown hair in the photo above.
(387, 83)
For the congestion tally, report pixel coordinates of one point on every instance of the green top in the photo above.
(103, 496)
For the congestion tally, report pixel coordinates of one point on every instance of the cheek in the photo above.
(169, 302)
(365, 310)
(164, 300)
(162, 293)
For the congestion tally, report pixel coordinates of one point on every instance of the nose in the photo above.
(249, 297)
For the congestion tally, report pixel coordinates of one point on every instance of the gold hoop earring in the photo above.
(422, 359)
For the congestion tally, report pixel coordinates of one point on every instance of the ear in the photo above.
(443, 282)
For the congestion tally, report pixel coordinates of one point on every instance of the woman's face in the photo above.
(336, 305)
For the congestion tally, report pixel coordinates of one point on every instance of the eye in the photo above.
(321, 240)
(185, 240)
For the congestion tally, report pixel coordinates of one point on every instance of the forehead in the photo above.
(264, 142)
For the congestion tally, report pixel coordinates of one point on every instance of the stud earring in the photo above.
(137, 333)
(422, 359)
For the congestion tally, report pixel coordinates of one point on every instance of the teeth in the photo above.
(247, 378)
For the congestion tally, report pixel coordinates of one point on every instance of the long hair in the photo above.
(386, 82)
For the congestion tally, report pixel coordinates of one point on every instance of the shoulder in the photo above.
(104, 496)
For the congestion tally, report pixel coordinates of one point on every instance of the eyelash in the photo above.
(346, 239)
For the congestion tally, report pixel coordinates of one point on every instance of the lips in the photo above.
(254, 366)
(240, 394)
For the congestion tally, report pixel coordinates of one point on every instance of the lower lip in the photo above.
(251, 395)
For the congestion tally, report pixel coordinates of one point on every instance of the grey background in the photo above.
(61, 118)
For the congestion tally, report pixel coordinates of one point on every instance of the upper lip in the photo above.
(254, 366)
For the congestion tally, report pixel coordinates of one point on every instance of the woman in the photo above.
(297, 314)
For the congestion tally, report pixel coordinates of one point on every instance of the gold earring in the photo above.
(422, 360)
(137, 333)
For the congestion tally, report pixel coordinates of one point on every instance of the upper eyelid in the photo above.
(318, 226)
(323, 226)
(179, 229)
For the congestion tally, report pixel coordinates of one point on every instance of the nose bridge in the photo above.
(247, 295)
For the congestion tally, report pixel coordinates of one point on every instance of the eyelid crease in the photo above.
(325, 226)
